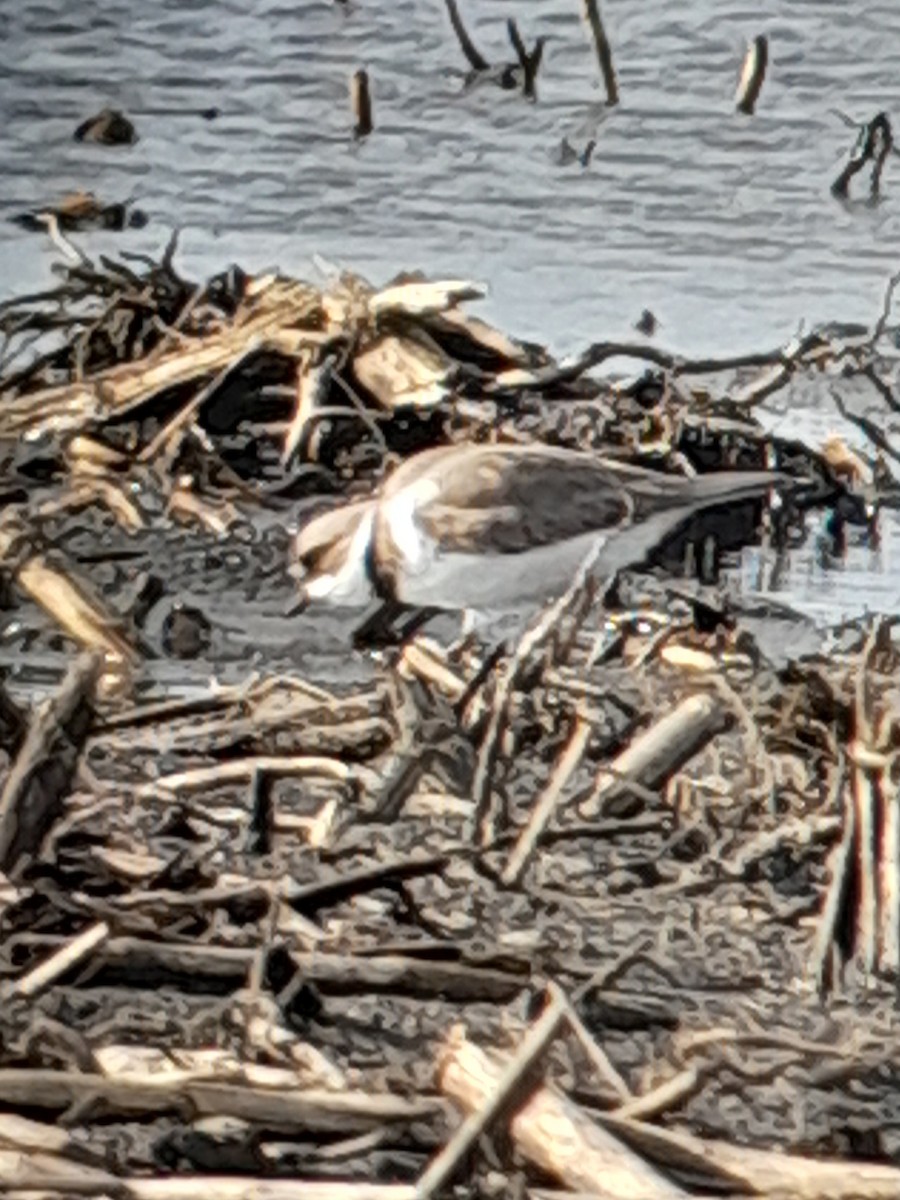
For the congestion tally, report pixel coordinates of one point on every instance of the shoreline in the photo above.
(281, 928)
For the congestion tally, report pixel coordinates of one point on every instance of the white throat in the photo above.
(413, 546)
(349, 585)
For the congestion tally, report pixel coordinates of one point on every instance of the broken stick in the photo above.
(753, 72)
(62, 961)
(476, 60)
(508, 674)
(877, 143)
(552, 1131)
(52, 1176)
(659, 751)
(604, 53)
(543, 810)
(361, 104)
(528, 62)
(60, 595)
(480, 1118)
(40, 776)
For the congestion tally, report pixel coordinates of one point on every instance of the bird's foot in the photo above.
(383, 629)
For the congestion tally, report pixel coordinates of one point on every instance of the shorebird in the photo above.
(499, 528)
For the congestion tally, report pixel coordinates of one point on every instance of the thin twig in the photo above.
(543, 809)
(63, 960)
(166, 437)
(477, 61)
(602, 47)
(530, 1051)
(508, 675)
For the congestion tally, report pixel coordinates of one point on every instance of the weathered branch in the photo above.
(604, 52)
(41, 775)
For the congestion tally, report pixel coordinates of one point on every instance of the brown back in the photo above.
(516, 497)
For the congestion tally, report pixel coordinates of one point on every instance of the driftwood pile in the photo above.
(615, 910)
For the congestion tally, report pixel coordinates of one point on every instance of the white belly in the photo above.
(349, 586)
(489, 582)
(429, 575)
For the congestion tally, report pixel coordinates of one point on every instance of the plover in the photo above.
(501, 527)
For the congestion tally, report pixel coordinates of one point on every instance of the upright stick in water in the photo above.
(753, 72)
(604, 53)
(361, 104)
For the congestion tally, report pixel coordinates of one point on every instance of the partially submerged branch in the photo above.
(873, 146)
(603, 50)
(753, 73)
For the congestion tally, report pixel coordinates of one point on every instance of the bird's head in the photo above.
(329, 558)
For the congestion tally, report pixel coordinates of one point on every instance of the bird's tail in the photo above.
(723, 487)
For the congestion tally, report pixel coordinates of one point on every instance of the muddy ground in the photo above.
(243, 835)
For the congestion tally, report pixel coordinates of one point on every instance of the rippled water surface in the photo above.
(720, 223)
(723, 225)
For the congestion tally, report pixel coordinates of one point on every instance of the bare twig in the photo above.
(604, 53)
(543, 809)
(241, 770)
(476, 60)
(662, 1098)
(881, 323)
(877, 143)
(508, 675)
(889, 873)
(840, 863)
(315, 1109)
(553, 1132)
(43, 1176)
(529, 63)
(595, 1052)
(529, 1053)
(41, 775)
(658, 751)
(869, 428)
(753, 72)
(361, 104)
(62, 961)
(169, 436)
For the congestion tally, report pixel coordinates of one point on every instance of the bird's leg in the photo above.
(380, 628)
(500, 651)
(417, 620)
(468, 639)
(377, 630)
(610, 597)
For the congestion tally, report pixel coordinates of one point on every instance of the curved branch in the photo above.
(466, 44)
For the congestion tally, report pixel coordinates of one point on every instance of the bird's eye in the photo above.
(311, 559)
(299, 568)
